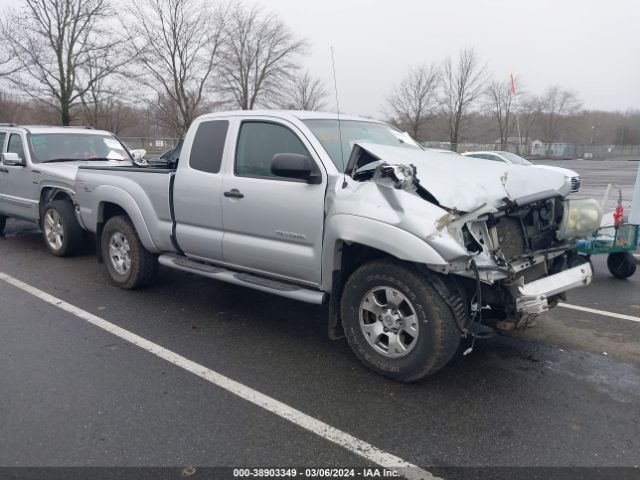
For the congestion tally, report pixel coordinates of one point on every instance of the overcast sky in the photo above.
(590, 46)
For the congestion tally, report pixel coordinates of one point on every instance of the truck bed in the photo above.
(144, 193)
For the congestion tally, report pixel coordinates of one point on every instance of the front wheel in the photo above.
(621, 265)
(129, 264)
(61, 231)
(396, 323)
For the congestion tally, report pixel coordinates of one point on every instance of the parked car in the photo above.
(37, 172)
(406, 245)
(572, 178)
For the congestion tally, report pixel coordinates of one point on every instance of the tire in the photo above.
(621, 265)
(576, 260)
(60, 229)
(129, 264)
(3, 224)
(423, 351)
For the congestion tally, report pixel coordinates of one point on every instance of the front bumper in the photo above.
(532, 298)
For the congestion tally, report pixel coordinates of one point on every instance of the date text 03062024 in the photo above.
(313, 472)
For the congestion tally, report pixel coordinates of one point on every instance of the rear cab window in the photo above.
(208, 146)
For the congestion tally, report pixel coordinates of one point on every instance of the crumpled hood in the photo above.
(464, 183)
(68, 170)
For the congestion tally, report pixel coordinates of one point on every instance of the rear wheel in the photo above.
(129, 264)
(396, 323)
(621, 265)
(62, 233)
(3, 224)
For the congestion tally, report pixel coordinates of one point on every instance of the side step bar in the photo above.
(256, 282)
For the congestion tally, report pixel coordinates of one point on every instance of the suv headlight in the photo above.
(579, 219)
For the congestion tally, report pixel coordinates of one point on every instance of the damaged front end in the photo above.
(521, 250)
(513, 247)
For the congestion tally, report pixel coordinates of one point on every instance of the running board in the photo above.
(256, 282)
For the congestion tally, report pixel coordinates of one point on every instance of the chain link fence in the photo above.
(536, 149)
(153, 145)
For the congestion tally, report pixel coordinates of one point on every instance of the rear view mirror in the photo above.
(293, 165)
(13, 159)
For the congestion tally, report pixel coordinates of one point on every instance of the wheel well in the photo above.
(106, 211)
(355, 254)
(352, 256)
(109, 210)
(50, 194)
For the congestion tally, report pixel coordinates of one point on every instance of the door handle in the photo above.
(4, 170)
(233, 193)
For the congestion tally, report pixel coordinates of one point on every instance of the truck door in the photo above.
(272, 224)
(197, 192)
(20, 197)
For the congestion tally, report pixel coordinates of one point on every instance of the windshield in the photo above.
(59, 147)
(327, 132)
(513, 158)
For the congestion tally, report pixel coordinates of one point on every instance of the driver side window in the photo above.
(258, 142)
(15, 145)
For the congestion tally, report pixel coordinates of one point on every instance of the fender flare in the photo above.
(117, 196)
(382, 236)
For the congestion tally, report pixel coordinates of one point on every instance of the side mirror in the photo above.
(13, 159)
(293, 165)
(138, 154)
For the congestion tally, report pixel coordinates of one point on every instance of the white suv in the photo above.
(38, 167)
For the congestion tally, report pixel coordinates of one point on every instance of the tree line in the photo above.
(91, 60)
(459, 100)
(149, 67)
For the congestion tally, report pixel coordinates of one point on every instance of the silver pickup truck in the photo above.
(412, 249)
(37, 173)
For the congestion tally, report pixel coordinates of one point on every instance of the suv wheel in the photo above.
(396, 322)
(129, 264)
(62, 234)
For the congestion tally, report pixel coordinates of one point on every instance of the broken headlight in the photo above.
(579, 219)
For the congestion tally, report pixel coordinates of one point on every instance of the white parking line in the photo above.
(600, 312)
(324, 430)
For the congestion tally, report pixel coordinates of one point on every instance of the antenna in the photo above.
(335, 87)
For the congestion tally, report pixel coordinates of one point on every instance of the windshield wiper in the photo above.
(55, 160)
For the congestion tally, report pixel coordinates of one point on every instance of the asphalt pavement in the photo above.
(565, 393)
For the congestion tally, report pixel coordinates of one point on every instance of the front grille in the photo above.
(575, 184)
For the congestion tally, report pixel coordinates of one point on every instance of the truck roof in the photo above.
(297, 114)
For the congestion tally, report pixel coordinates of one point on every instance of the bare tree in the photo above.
(179, 49)
(499, 99)
(306, 93)
(8, 66)
(413, 103)
(261, 58)
(557, 105)
(50, 41)
(462, 85)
